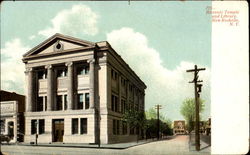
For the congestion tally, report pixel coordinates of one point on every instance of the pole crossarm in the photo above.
(195, 70)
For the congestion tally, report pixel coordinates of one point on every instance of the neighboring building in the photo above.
(179, 127)
(77, 92)
(12, 115)
(202, 127)
(208, 127)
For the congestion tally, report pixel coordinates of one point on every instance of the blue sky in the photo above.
(167, 36)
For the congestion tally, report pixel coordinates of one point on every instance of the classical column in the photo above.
(70, 85)
(50, 89)
(91, 83)
(30, 89)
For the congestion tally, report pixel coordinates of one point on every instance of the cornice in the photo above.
(64, 52)
(61, 37)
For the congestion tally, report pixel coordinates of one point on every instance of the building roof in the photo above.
(10, 96)
(55, 37)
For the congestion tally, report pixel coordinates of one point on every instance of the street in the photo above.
(174, 146)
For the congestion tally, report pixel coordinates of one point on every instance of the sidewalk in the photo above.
(205, 147)
(85, 145)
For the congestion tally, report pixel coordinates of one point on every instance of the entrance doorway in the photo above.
(58, 130)
(11, 129)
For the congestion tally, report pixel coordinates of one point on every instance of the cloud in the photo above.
(12, 67)
(32, 37)
(80, 19)
(164, 86)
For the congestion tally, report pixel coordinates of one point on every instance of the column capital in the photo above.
(29, 69)
(69, 63)
(48, 66)
(91, 60)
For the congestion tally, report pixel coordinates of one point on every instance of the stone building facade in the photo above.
(12, 115)
(179, 127)
(77, 92)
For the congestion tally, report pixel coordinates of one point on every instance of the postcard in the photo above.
(124, 77)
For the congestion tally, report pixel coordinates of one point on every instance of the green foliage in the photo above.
(151, 127)
(135, 118)
(188, 111)
(152, 114)
(138, 119)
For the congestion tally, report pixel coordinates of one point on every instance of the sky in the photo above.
(159, 40)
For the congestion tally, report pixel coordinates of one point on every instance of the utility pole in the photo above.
(158, 107)
(197, 90)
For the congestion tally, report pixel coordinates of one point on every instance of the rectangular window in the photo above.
(123, 82)
(116, 104)
(59, 102)
(41, 126)
(74, 126)
(45, 102)
(87, 70)
(33, 126)
(114, 75)
(112, 103)
(130, 88)
(42, 74)
(40, 103)
(82, 70)
(62, 72)
(116, 107)
(118, 127)
(114, 127)
(2, 126)
(80, 101)
(123, 106)
(84, 126)
(87, 101)
(65, 102)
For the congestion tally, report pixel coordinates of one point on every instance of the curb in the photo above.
(86, 146)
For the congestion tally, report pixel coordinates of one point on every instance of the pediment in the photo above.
(58, 43)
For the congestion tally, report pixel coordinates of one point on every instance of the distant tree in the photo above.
(152, 114)
(151, 127)
(188, 111)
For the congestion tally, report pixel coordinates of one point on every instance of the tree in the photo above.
(188, 111)
(151, 127)
(135, 119)
(152, 114)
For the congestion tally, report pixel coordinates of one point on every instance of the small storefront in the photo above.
(10, 121)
